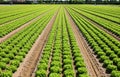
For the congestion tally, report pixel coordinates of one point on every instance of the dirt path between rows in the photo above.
(27, 67)
(100, 26)
(21, 27)
(93, 66)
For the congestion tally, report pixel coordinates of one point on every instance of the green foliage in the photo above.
(107, 62)
(20, 58)
(15, 63)
(5, 60)
(78, 59)
(118, 65)
(110, 68)
(112, 56)
(103, 58)
(42, 66)
(56, 58)
(80, 64)
(82, 70)
(115, 73)
(10, 56)
(67, 57)
(68, 66)
(68, 73)
(83, 75)
(6, 74)
(40, 73)
(77, 54)
(67, 61)
(54, 75)
(116, 60)
(100, 54)
(3, 54)
(12, 67)
(55, 69)
(118, 53)
(22, 54)
(56, 63)
(2, 65)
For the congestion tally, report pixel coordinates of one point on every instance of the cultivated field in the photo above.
(59, 41)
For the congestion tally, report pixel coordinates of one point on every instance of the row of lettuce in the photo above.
(14, 50)
(10, 13)
(110, 22)
(61, 55)
(106, 12)
(9, 27)
(103, 45)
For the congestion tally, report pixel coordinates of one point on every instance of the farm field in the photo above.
(60, 41)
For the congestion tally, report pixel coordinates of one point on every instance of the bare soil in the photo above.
(94, 67)
(27, 67)
(21, 27)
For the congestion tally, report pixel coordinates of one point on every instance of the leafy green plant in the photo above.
(6, 74)
(55, 69)
(54, 75)
(10, 56)
(67, 61)
(82, 70)
(103, 58)
(40, 73)
(68, 73)
(42, 66)
(2, 65)
(118, 65)
(116, 60)
(56, 63)
(68, 66)
(15, 63)
(110, 68)
(115, 73)
(83, 75)
(12, 67)
(107, 62)
(5, 60)
(80, 64)
(100, 54)
(78, 59)
(112, 56)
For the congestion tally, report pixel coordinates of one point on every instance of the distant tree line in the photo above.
(60, 1)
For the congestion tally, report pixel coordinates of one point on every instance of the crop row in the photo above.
(15, 10)
(105, 10)
(103, 45)
(18, 14)
(61, 55)
(14, 50)
(77, 57)
(101, 15)
(8, 11)
(111, 26)
(7, 28)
